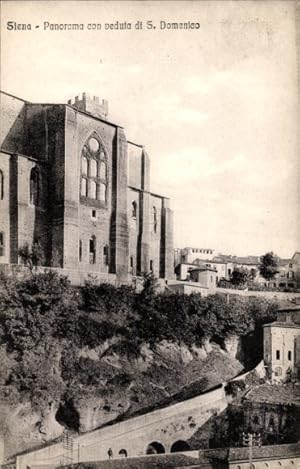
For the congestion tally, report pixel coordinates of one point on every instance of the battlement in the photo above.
(90, 104)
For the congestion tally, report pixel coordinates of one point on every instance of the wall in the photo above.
(32, 220)
(135, 166)
(189, 255)
(176, 422)
(78, 223)
(75, 276)
(54, 135)
(187, 288)
(5, 205)
(12, 123)
(134, 196)
(280, 339)
(206, 278)
(263, 294)
(156, 252)
(167, 270)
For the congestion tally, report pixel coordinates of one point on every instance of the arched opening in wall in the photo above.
(94, 170)
(180, 446)
(1, 185)
(123, 453)
(2, 243)
(106, 255)
(155, 448)
(134, 209)
(34, 187)
(154, 216)
(80, 250)
(92, 250)
(131, 265)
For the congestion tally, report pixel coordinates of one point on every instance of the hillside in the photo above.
(79, 358)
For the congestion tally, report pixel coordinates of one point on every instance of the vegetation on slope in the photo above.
(46, 324)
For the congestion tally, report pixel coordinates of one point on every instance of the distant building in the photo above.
(188, 255)
(282, 344)
(71, 182)
(206, 276)
(288, 276)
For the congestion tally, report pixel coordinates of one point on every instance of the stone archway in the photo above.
(179, 446)
(155, 448)
(123, 453)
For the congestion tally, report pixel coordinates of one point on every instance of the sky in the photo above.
(216, 107)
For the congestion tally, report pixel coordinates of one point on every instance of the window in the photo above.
(102, 170)
(102, 192)
(289, 355)
(34, 186)
(1, 185)
(93, 190)
(92, 250)
(1, 243)
(84, 165)
(134, 209)
(131, 264)
(277, 354)
(93, 168)
(154, 215)
(94, 214)
(80, 250)
(151, 265)
(94, 178)
(106, 255)
(83, 187)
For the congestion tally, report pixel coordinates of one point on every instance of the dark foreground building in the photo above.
(71, 183)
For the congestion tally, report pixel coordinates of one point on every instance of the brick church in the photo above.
(72, 183)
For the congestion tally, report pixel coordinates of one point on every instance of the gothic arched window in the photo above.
(154, 215)
(94, 178)
(134, 209)
(1, 185)
(92, 250)
(84, 187)
(34, 186)
(93, 189)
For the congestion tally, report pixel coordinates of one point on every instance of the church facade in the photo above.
(71, 183)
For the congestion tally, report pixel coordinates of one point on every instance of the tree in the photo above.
(268, 266)
(239, 276)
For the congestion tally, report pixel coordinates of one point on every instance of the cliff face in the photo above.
(128, 385)
(77, 359)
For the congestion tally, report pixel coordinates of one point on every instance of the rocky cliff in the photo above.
(130, 385)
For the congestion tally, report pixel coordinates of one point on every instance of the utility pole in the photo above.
(250, 440)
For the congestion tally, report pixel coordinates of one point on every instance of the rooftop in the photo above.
(285, 394)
